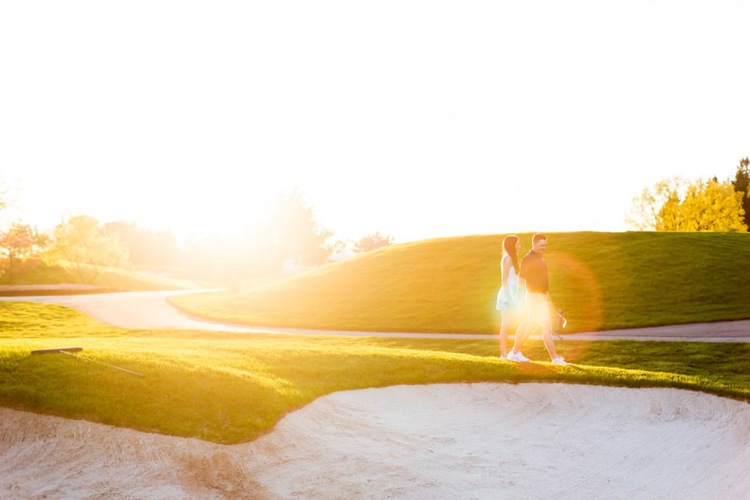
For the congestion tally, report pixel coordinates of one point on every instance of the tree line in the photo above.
(288, 233)
(679, 204)
(291, 233)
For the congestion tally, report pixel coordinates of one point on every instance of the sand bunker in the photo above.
(438, 441)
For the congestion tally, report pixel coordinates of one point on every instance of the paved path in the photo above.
(151, 310)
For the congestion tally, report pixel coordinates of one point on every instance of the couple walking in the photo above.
(523, 300)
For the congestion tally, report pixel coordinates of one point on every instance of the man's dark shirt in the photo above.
(534, 271)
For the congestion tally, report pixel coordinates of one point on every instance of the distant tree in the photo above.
(17, 243)
(147, 248)
(3, 195)
(712, 206)
(741, 184)
(295, 233)
(677, 205)
(669, 217)
(285, 234)
(646, 209)
(372, 241)
(84, 243)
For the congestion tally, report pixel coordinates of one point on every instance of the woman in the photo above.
(509, 300)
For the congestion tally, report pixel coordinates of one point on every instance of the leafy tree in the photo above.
(19, 242)
(83, 242)
(712, 206)
(372, 241)
(742, 185)
(147, 248)
(295, 233)
(647, 209)
(676, 205)
(3, 196)
(287, 232)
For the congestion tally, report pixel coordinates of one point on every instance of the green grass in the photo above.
(38, 272)
(603, 281)
(231, 388)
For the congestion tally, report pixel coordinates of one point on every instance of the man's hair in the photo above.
(537, 237)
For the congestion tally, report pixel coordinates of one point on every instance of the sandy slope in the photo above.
(438, 441)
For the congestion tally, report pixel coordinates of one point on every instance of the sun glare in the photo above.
(212, 213)
(581, 283)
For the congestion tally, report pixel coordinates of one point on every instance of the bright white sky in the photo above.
(413, 118)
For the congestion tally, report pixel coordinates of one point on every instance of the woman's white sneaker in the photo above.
(560, 361)
(518, 356)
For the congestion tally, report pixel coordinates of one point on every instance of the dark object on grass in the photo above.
(57, 349)
(70, 352)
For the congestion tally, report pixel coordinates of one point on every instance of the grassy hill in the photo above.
(36, 276)
(602, 280)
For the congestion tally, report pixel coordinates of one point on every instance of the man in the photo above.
(534, 278)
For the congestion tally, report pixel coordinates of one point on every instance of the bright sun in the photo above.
(203, 211)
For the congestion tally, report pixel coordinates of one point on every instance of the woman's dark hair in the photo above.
(509, 245)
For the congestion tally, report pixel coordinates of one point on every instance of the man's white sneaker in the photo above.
(560, 361)
(518, 356)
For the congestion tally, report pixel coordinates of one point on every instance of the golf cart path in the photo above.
(151, 310)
